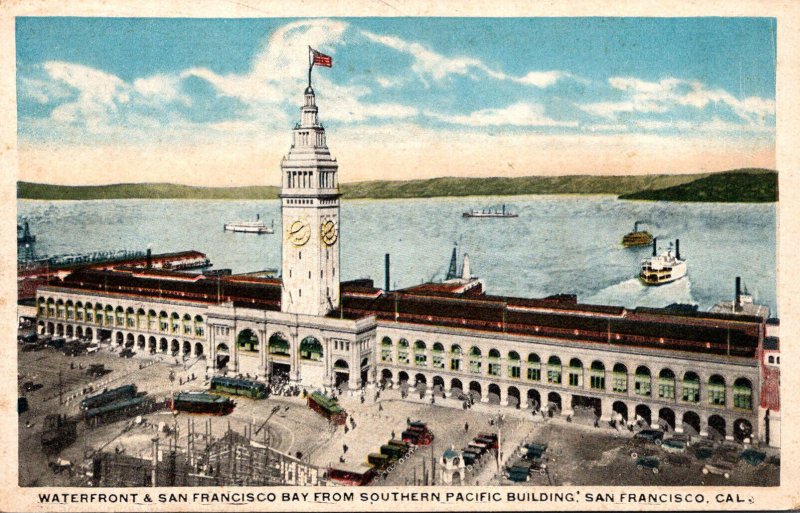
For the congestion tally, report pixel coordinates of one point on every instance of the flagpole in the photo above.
(310, 64)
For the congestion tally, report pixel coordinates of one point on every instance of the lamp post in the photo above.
(498, 421)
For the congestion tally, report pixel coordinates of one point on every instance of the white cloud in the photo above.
(518, 114)
(161, 89)
(428, 63)
(542, 79)
(661, 96)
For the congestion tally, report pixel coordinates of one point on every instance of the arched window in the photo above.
(199, 326)
(619, 379)
(475, 360)
(455, 357)
(386, 350)
(278, 345)
(247, 341)
(513, 365)
(743, 394)
(534, 367)
(575, 373)
(691, 387)
(311, 349)
(597, 375)
(438, 355)
(642, 384)
(554, 370)
(420, 355)
(666, 384)
(402, 352)
(716, 390)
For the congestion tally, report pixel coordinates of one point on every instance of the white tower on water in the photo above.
(310, 218)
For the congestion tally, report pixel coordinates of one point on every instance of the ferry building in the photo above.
(699, 372)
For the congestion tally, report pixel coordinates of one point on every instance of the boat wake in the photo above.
(632, 293)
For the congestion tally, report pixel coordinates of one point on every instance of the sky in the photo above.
(212, 101)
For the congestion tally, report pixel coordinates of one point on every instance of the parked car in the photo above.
(491, 439)
(518, 473)
(753, 457)
(719, 468)
(30, 386)
(647, 462)
(92, 348)
(651, 435)
(126, 353)
(674, 445)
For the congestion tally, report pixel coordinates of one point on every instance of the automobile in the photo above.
(674, 445)
(703, 450)
(127, 353)
(22, 405)
(652, 435)
(30, 386)
(753, 457)
(718, 467)
(518, 473)
(481, 448)
(92, 348)
(647, 462)
(73, 350)
(97, 369)
(491, 439)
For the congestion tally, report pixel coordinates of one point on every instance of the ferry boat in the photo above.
(636, 237)
(257, 226)
(664, 268)
(490, 213)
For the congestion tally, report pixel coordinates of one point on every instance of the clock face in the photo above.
(328, 232)
(298, 233)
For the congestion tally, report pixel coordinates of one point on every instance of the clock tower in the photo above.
(310, 219)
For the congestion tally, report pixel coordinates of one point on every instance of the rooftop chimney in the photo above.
(655, 239)
(386, 265)
(677, 249)
(737, 300)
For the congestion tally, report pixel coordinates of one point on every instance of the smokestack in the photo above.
(386, 271)
(655, 239)
(737, 300)
(677, 249)
(149, 258)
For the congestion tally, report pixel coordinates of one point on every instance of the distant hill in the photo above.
(382, 189)
(28, 190)
(744, 182)
(738, 186)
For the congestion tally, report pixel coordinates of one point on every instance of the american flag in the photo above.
(321, 59)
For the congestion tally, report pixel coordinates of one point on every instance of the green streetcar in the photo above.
(235, 386)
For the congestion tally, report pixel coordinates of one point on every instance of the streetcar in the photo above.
(201, 402)
(118, 409)
(327, 407)
(236, 386)
(108, 396)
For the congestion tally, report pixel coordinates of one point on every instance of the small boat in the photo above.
(664, 268)
(636, 237)
(490, 213)
(257, 226)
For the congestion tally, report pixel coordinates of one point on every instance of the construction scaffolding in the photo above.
(235, 459)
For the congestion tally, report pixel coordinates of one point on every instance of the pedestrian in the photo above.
(466, 427)
(380, 406)
(393, 435)
(408, 421)
(344, 448)
(362, 399)
(346, 430)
